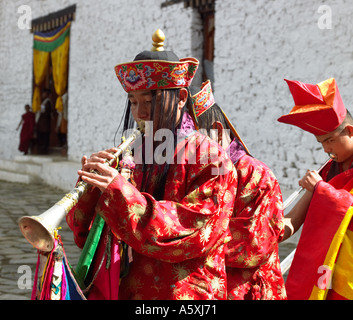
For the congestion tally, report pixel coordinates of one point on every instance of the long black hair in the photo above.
(210, 116)
(164, 116)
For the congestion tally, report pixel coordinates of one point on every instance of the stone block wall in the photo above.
(258, 43)
(103, 34)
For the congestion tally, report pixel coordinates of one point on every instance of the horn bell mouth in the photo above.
(36, 234)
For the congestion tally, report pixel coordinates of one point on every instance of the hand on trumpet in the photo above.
(310, 180)
(97, 162)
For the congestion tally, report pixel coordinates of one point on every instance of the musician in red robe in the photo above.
(323, 263)
(174, 215)
(252, 261)
(27, 131)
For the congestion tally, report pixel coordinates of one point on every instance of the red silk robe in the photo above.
(324, 251)
(178, 244)
(26, 131)
(253, 265)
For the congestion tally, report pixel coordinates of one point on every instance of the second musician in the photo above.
(322, 265)
(256, 225)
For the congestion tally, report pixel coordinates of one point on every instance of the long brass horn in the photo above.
(39, 230)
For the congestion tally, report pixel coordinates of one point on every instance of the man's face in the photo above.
(339, 143)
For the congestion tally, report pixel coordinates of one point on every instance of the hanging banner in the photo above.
(49, 41)
(56, 44)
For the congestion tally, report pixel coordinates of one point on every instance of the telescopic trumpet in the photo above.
(39, 230)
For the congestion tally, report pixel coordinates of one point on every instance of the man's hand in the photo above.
(310, 180)
(97, 162)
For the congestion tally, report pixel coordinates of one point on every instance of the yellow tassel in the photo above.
(56, 232)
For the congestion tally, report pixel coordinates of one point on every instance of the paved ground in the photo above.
(17, 256)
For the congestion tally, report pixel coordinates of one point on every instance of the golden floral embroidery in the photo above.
(136, 211)
(174, 240)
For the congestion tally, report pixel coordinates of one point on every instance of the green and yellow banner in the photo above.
(49, 41)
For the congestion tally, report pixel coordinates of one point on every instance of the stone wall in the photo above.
(258, 43)
(120, 32)
(103, 34)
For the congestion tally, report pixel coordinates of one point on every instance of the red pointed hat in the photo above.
(318, 109)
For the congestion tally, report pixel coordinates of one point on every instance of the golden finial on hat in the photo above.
(158, 40)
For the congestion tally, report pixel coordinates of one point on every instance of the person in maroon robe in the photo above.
(27, 122)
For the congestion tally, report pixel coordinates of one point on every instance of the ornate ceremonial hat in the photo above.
(156, 69)
(203, 99)
(318, 109)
